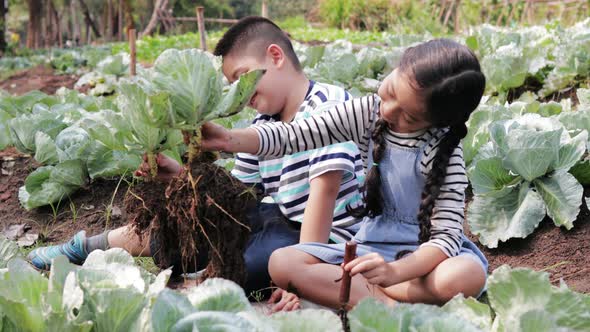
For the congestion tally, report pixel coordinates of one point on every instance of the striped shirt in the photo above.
(287, 179)
(355, 120)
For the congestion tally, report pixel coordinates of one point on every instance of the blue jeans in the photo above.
(270, 230)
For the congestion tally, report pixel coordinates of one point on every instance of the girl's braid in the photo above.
(372, 188)
(436, 177)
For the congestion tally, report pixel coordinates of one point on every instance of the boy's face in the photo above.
(270, 95)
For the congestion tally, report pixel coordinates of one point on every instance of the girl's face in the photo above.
(401, 105)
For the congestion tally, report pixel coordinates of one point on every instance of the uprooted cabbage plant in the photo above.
(203, 209)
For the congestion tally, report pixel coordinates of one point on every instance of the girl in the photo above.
(411, 246)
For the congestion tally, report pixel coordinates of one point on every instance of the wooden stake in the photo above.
(201, 25)
(133, 52)
(344, 297)
(349, 255)
(264, 12)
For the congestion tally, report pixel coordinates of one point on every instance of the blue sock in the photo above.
(74, 250)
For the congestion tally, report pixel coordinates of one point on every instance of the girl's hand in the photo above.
(168, 168)
(214, 137)
(374, 268)
(284, 301)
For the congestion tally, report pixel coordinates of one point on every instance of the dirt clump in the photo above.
(204, 211)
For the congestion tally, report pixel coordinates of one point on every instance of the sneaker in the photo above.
(74, 250)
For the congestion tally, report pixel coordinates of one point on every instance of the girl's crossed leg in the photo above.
(315, 280)
(460, 274)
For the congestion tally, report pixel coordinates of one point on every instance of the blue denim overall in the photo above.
(397, 228)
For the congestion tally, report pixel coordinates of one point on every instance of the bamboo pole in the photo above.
(201, 26)
(133, 53)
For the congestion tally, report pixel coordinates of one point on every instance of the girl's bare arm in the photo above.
(217, 138)
(319, 211)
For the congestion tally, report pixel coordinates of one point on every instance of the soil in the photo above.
(533, 85)
(564, 254)
(569, 92)
(84, 210)
(38, 78)
(145, 204)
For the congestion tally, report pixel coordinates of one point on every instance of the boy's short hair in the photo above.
(256, 33)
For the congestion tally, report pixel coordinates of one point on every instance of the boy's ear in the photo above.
(276, 54)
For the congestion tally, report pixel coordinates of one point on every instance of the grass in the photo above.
(39, 243)
(74, 211)
(4, 74)
(109, 208)
(148, 264)
(551, 267)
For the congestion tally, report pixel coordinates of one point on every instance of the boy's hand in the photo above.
(284, 301)
(214, 137)
(374, 268)
(168, 168)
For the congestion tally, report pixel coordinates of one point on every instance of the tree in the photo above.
(3, 10)
(159, 5)
(49, 25)
(128, 9)
(243, 8)
(76, 30)
(88, 19)
(34, 25)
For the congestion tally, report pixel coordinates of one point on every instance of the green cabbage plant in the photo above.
(521, 175)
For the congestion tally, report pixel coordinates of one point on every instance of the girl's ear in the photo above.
(276, 55)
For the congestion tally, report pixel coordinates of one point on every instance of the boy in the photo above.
(310, 190)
